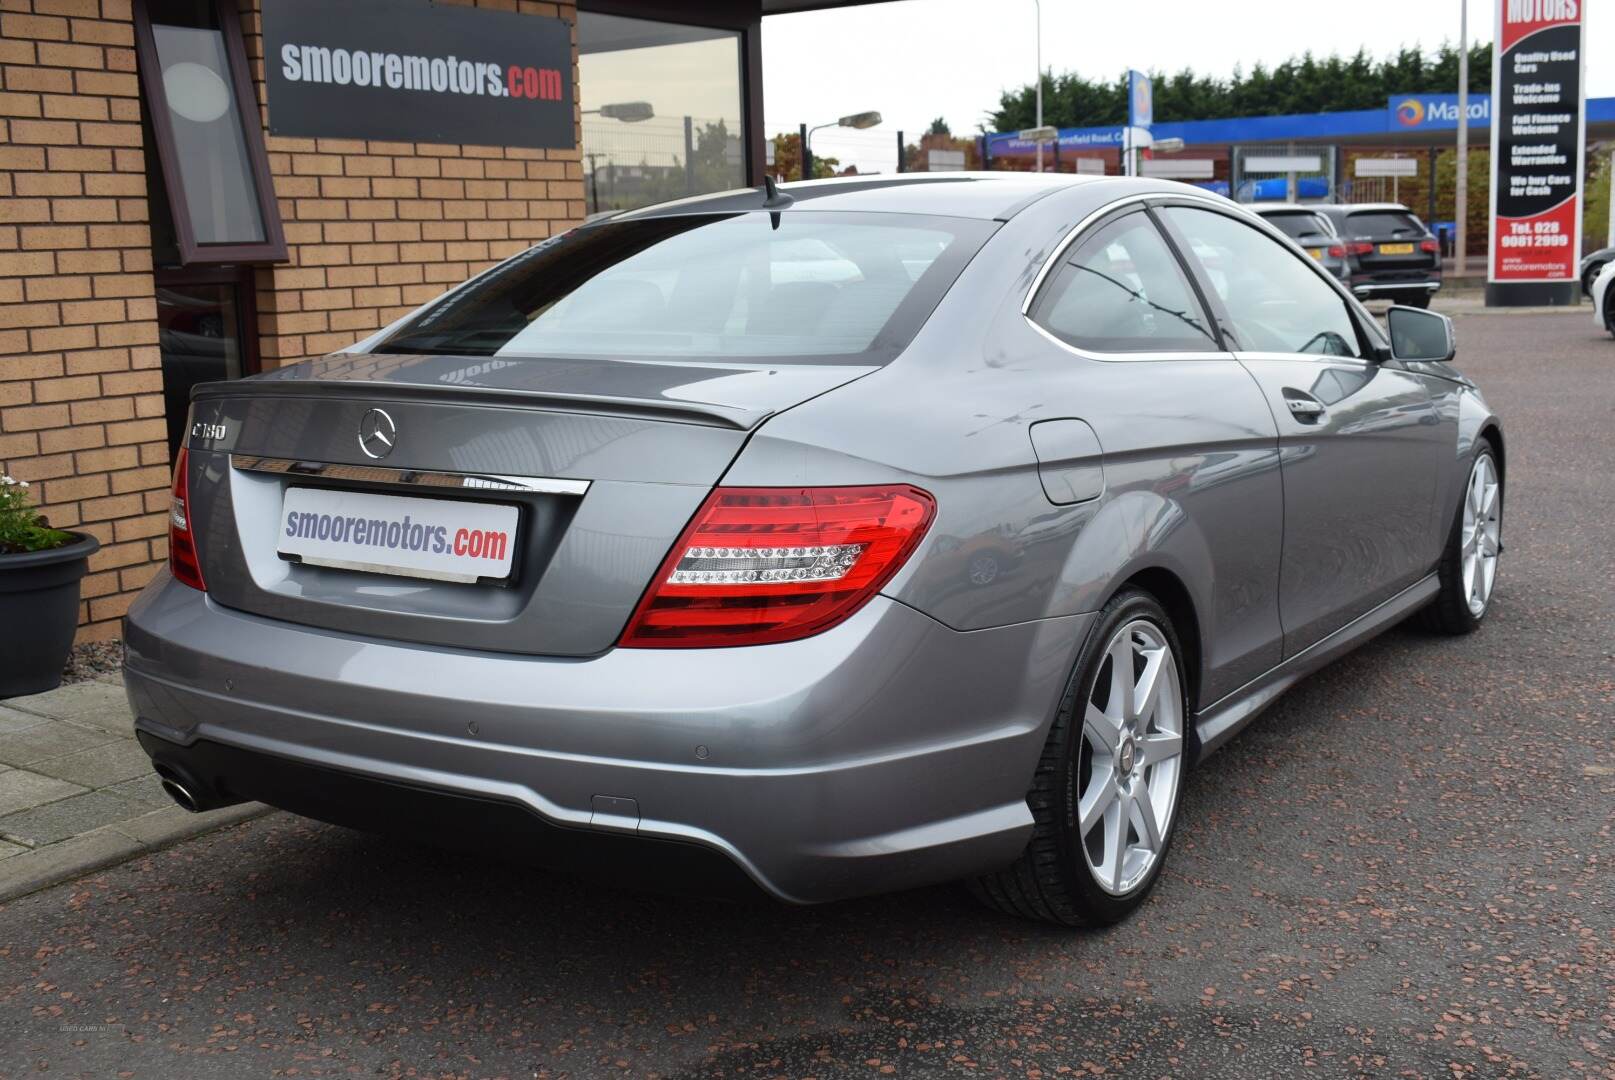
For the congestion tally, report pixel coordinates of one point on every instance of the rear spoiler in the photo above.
(706, 414)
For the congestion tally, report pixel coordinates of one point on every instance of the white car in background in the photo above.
(1603, 294)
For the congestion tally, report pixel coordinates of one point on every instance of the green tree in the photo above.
(1595, 221)
(1298, 85)
(788, 159)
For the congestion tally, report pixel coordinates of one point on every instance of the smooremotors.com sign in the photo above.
(414, 71)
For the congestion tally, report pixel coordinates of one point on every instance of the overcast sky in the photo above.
(917, 59)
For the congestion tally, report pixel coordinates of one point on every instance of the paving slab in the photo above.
(50, 739)
(66, 818)
(145, 790)
(21, 789)
(100, 766)
(93, 702)
(12, 721)
(29, 871)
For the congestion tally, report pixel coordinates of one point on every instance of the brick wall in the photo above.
(81, 408)
(373, 229)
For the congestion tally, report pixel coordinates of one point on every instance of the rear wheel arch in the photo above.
(1493, 435)
(1170, 592)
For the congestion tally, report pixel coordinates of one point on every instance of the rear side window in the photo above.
(795, 287)
(1122, 290)
(1273, 298)
(1302, 225)
(1382, 224)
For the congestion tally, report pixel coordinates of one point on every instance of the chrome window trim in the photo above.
(1142, 199)
(1350, 363)
(427, 478)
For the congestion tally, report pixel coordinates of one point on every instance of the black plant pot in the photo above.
(39, 612)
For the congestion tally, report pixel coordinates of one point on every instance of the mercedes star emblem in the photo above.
(377, 433)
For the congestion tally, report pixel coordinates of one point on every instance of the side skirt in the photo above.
(1221, 721)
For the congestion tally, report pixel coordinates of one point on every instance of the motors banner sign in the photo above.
(414, 71)
(1538, 135)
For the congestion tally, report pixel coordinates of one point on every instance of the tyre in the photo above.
(1609, 309)
(1468, 569)
(1105, 796)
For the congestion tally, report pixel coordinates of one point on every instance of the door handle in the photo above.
(1303, 406)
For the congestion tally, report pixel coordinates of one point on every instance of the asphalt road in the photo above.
(1404, 869)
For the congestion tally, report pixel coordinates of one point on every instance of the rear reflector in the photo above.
(182, 560)
(762, 565)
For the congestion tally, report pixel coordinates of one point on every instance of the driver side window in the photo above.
(1274, 303)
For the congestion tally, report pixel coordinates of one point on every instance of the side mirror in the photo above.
(1417, 334)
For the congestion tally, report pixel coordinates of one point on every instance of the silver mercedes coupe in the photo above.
(826, 539)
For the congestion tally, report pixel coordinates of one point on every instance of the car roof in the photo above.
(984, 195)
(1355, 208)
(1285, 208)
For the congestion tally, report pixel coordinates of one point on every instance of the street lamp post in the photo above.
(1037, 7)
(629, 112)
(1460, 195)
(858, 121)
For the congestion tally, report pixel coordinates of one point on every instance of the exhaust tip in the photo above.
(181, 795)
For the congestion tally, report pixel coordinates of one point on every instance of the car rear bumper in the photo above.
(885, 753)
(1372, 286)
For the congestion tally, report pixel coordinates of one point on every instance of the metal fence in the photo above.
(635, 164)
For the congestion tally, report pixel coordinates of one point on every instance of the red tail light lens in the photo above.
(1360, 247)
(1428, 246)
(1337, 251)
(182, 560)
(762, 565)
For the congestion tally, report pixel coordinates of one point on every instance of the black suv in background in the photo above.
(1392, 256)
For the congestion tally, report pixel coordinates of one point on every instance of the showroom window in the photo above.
(662, 110)
(205, 131)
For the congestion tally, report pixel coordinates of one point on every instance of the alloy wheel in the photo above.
(1482, 535)
(1132, 751)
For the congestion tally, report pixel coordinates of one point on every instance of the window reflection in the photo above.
(221, 198)
(661, 110)
(199, 337)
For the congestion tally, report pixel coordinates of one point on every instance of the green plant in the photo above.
(22, 529)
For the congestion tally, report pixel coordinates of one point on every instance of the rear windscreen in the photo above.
(1383, 223)
(801, 287)
(1297, 225)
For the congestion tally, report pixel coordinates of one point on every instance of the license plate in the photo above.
(1396, 249)
(441, 539)
(1316, 253)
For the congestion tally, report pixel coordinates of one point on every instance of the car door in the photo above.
(1360, 438)
(1190, 461)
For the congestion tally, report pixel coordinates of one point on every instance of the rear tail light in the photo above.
(1360, 247)
(762, 565)
(1337, 251)
(1428, 246)
(182, 560)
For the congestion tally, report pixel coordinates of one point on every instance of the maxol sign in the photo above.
(1434, 112)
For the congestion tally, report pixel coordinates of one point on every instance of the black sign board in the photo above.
(414, 71)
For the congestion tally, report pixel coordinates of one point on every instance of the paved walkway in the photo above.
(76, 791)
